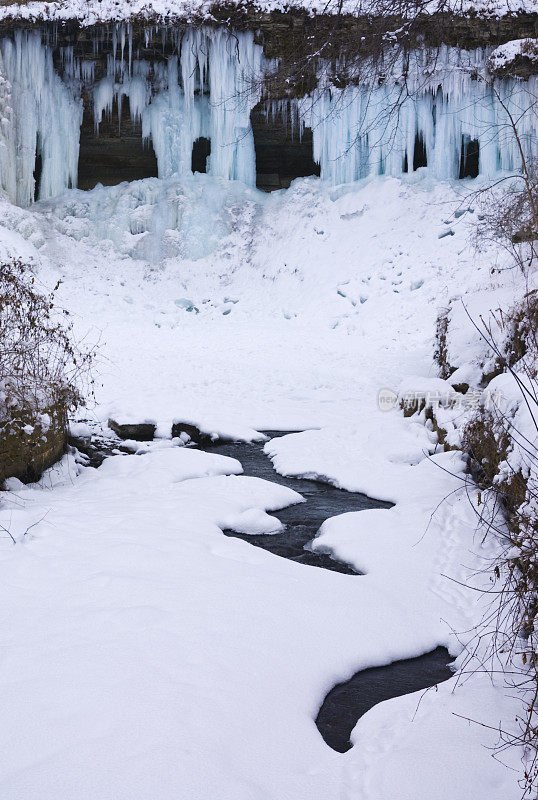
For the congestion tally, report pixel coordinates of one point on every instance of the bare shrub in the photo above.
(501, 445)
(40, 365)
(521, 344)
(504, 465)
(487, 444)
(441, 344)
(510, 218)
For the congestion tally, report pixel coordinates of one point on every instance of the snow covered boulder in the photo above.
(418, 392)
(30, 446)
(141, 431)
(518, 57)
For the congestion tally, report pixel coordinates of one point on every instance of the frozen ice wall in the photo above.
(443, 101)
(8, 175)
(40, 116)
(438, 111)
(446, 104)
(208, 89)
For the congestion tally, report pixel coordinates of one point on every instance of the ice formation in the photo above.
(42, 118)
(208, 89)
(373, 130)
(440, 111)
(154, 219)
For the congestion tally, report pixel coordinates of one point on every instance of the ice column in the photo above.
(46, 119)
(8, 176)
(176, 117)
(235, 70)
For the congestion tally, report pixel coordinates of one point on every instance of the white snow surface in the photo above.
(506, 53)
(145, 654)
(90, 12)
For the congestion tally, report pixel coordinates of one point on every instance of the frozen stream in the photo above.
(348, 701)
(302, 521)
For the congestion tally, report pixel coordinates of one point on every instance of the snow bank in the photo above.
(382, 470)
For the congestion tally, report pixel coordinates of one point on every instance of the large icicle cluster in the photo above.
(8, 173)
(444, 103)
(207, 90)
(441, 106)
(40, 116)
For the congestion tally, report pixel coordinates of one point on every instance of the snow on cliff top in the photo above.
(507, 53)
(90, 12)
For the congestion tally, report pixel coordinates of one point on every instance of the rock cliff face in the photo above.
(116, 154)
(282, 33)
(28, 448)
(277, 28)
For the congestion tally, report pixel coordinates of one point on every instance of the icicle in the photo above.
(103, 99)
(120, 101)
(8, 173)
(46, 118)
(189, 47)
(87, 69)
(130, 29)
(369, 130)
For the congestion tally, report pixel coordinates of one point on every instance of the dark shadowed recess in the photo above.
(115, 153)
(420, 155)
(38, 170)
(281, 153)
(470, 157)
(347, 702)
(303, 520)
(201, 150)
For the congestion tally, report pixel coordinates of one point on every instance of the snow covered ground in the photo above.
(145, 654)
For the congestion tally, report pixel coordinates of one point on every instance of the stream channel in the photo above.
(348, 701)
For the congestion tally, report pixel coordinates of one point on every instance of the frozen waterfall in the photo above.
(208, 89)
(367, 130)
(42, 118)
(444, 114)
